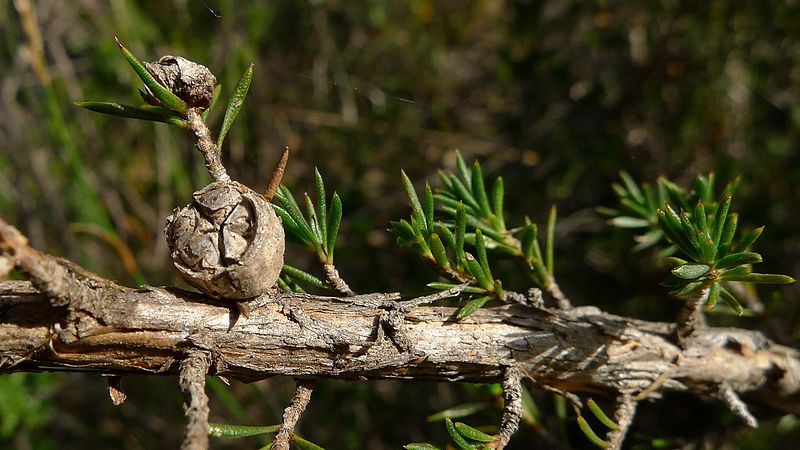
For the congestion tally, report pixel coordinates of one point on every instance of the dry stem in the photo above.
(192, 379)
(292, 413)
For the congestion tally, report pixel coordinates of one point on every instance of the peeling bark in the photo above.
(67, 319)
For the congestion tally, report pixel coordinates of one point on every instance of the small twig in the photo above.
(657, 383)
(336, 281)
(192, 380)
(275, 178)
(555, 290)
(292, 413)
(691, 316)
(623, 416)
(206, 146)
(735, 404)
(448, 293)
(512, 408)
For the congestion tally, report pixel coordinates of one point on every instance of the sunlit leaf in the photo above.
(601, 415)
(459, 440)
(235, 104)
(590, 434)
(221, 430)
(472, 306)
(472, 433)
(164, 95)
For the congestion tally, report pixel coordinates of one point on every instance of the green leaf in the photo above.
(480, 250)
(235, 104)
(690, 232)
(631, 187)
(460, 231)
(464, 410)
(707, 248)
(550, 238)
(735, 273)
(738, 259)
(456, 436)
(305, 277)
(428, 209)
(293, 229)
(461, 191)
(322, 208)
(713, 296)
(590, 434)
(285, 199)
(133, 112)
(479, 190)
(690, 271)
(214, 100)
(700, 215)
(688, 288)
(411, 194)
(601, 415)
(439, 253)
(472, 306)
(472, 433)
(731, 301)
(403, 229)
(421, 446)
(303, 444)
(164, 95)
(720, 218)
(311, 213)
(475, 269)
(461, 165)
(445, 286)
(725, 240)
(334, 220)
(498, 192)
(748, 240)
(222, 430)
(670, 223)
(765, 278)
(528, 238)
(675, 262)
(538, 266)
(629, 222)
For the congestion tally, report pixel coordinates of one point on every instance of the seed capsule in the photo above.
(228, 242)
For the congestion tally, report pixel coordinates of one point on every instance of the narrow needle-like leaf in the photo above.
(235, 103)
(720, 218)
(497, 202)
(164, 95)
(334, 220)
(549, 240)
(427, 209)
(590, 434)
(480, 249)
(600, 414)
(456, 436)
(322, 208)
(214, 100)
(472, 306)
(223, 430)
(479, 190)
(472, 433)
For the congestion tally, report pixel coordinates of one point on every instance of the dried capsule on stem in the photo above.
(228, 242)
(191, 82)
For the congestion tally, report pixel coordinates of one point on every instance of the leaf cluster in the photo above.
(316, 227)
(703, 230)
(464, 213)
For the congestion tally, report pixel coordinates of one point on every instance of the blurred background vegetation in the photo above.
(556, 96)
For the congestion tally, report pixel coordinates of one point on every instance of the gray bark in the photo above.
(118, 330)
